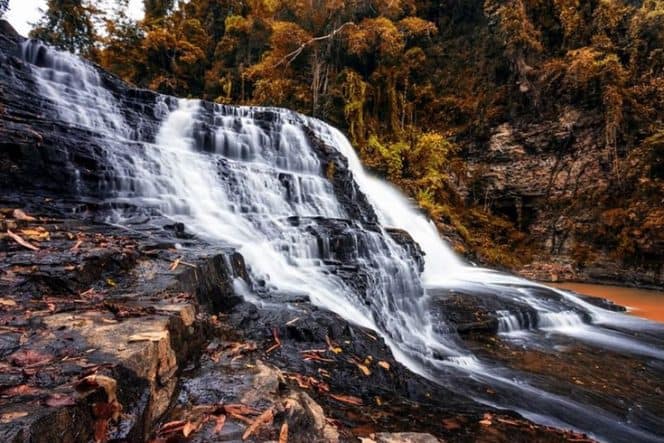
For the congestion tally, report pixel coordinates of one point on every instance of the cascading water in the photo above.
(231, 177)
(250, 177)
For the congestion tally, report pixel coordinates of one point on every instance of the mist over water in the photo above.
(233, 176)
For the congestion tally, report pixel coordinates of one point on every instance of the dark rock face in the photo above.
(555, 182)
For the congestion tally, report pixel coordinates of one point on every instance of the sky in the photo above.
(23, 12)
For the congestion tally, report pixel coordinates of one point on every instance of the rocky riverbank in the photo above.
(155, 315)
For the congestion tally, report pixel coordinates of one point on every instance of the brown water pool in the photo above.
(641, 302)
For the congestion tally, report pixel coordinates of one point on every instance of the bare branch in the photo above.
(291, 56)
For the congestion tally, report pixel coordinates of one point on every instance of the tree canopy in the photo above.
(69, 25)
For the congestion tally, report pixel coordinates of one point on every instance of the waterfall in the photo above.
(76, 87)
(395, 210)
(250, 178)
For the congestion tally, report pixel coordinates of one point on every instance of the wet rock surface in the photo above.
(330, 381)
(131, 305)
(75, 307)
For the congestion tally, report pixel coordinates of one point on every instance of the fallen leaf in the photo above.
(451, 424)
(283, 433)
(111, 282)
(238, 348)
(7, 302)
(188, 428)
(21, 242)
(308, 356)
(29, 357)
(112, 407)
(105, 410)
(507, 421)
(365, 370)
(242, 418)
(239, 408)
(77, 245)
(59, 400)
(264, 419)
(174, 265)
(20, 215)
(277, 341)
(373, 337)
(331, 346)
(347, 399)
(19, 390)
(220, 421)
(290, 322)
(171, 427)
(101, 428)
(36, 234)
(11, 416)
(486, 419)
(385, 365)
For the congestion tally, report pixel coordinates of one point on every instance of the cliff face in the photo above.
(557, 109)
(582, 213)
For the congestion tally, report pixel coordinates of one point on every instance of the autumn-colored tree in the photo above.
(69, 25)
(157, 9)
(122, 53)
(175, 56)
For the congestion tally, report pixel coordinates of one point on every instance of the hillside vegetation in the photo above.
(425, 89)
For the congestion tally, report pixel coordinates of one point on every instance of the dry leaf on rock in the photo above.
(7, 302)
(59, 400)
(277, 341)
(20, 390)
(20, 215)
(283, 433)
(29, 357)
(264, 419)
(220, 421)
(20, 241)
(174, 265)
(347, 399)
(365, 370)
(36, 234)
(91, 383)
(189, 428)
